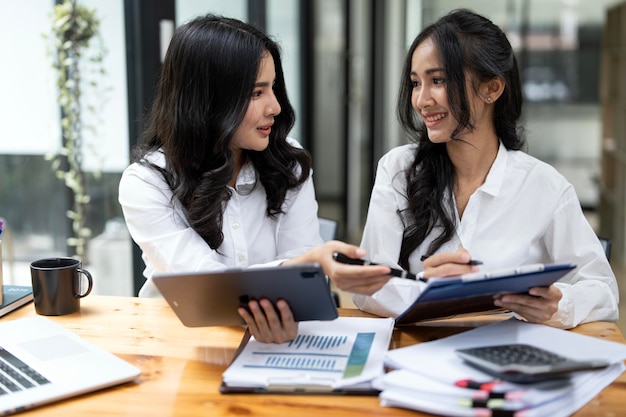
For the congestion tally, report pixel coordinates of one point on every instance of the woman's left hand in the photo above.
(537, 307)
(265, 324)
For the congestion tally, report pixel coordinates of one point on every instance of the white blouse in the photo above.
(159, 226)
(524, 213)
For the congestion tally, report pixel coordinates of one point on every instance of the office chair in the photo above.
(328, 231)
(328, 228)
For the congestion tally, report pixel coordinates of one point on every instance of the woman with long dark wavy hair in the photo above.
(216, 183)
(466, 187)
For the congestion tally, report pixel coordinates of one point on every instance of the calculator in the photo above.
(523, 363)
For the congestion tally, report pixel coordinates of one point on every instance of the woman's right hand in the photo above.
(357, 279)
(449, 264)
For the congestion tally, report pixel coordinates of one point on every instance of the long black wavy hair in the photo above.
(466, 42)
(202, 96)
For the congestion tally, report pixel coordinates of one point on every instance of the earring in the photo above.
(489, 100)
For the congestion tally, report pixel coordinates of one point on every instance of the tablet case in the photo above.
(212, 298)
(446, 297)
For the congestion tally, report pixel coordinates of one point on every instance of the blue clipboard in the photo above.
(473, 293)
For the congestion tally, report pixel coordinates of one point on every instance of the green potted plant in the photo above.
(74, 29)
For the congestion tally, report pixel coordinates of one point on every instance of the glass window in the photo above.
(283, 26)
(187, 9)
(30, 115)
(33, 201)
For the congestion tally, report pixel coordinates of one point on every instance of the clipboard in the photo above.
(473, 293)
(212, 298)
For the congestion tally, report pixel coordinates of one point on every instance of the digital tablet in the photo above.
(212, 298)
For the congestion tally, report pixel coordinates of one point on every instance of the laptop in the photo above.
(42, 362)
(212, 298)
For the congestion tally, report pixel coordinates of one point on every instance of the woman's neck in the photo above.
(239, 159)
(472, 159)
(472, 156)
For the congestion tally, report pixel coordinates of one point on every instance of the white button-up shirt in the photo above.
(159, 226)
(524, 213)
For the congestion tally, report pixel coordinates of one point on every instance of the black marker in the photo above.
(340, 257)
(471, 262)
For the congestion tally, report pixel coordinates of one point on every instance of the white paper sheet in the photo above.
(338, 353)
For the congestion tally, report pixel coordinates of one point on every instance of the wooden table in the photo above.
(182, 367)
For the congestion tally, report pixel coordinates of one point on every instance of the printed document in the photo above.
(347, 352)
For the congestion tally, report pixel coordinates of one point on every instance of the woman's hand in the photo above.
(449, 264)
(265, 324)
(536, 307)
(353, 278)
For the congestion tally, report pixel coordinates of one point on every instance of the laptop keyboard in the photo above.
(16, 376)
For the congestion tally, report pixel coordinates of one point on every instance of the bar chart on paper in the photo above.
(346, 353)
(337, 354)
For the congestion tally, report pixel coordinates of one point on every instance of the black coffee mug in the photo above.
(56, 285)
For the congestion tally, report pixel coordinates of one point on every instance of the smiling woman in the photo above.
(465, 189)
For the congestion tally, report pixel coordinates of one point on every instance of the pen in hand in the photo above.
(471, 262)
(340, 257)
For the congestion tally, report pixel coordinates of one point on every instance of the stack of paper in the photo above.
(342, 355)
(430, 377)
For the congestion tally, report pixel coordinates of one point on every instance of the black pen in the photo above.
(340, 257)
(471, 262)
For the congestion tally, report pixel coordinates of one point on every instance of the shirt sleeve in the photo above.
(167, 241)
(590, 293)
(382, 237)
